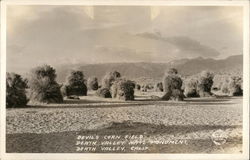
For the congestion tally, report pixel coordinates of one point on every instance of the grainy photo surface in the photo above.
(124, 79)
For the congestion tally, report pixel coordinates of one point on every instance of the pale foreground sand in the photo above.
(53, 128)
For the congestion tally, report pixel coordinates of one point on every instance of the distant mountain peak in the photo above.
(135, 70)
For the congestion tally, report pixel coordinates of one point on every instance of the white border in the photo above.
(43, 156)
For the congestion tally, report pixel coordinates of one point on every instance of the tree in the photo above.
(109, 78)
(75, 84)
(172, 86)
(43, 85)
(15, 91)
(93, 83)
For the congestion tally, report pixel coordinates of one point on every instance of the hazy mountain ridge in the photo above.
(156, 70)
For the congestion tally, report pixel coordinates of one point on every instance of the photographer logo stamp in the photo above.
(219, 137)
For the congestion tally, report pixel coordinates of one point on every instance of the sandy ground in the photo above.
(54, 128)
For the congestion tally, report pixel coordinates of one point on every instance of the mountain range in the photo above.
(137, 70)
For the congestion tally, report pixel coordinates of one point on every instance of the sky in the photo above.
(59, 35)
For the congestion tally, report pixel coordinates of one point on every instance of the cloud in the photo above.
(183, 44)
(80, 34)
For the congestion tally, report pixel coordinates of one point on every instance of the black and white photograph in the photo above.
(123, 79)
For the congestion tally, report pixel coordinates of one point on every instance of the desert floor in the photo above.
(54, 128)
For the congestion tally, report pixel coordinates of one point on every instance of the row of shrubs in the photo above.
(41, 86)
(193, 86)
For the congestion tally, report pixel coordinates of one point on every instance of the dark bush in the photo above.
(172, 84)
(15, 91)
(190, 89)
(205, 83)
(93, 83)
(43, 86)
(123, 89)
(103, 92)
(75, 84)
(109, 78)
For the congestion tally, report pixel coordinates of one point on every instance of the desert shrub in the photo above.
(109, 78)
(93, 83)
(103, 92)
(43, 86)
(205, 83)
(233, 86)
(15, 91)
(159, 87)
(123, 89)
(190, 89)
(75, 84)
(172, 86)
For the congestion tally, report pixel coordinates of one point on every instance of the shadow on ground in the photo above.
(84, 103)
